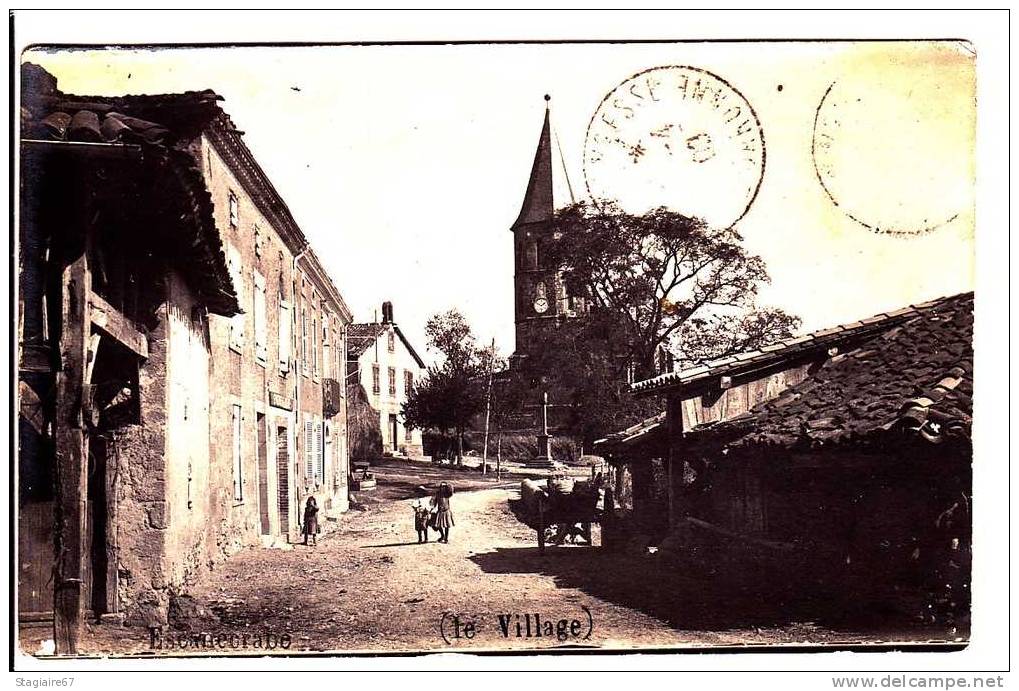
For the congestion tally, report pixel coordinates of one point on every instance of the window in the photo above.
(320, 455)
(236, 275)
(408, 383)
(259, 242)
(314, 452)
(326, 359)
(314, 346)
(261, 330)
(407, 433)
(285, 331)
(234, 211)
(238, 459)
(304, 340)
(392, 341)
(376, 387)
(392, 381)
(309, 448)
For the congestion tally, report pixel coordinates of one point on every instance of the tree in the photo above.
(451, 393)
(664, 280)
(581, 364)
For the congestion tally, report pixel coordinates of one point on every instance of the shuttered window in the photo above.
(261, 331)
(320, 456)
(304, 340)
(236, 275)
(392, 381)
(238, 458)
(326, 364)
(286, 322)
(314, 345)
(309, 448)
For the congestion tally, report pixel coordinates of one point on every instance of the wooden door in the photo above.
(283, 478)
(263, 473)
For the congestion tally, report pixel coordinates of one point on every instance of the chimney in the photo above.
(387, 312)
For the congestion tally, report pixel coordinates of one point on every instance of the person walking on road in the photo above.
(310, 523)
(443, 520)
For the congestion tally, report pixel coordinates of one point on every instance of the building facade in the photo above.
(383, 361)
(180, 392)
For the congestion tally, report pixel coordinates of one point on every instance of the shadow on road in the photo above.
(398, 544)
(645, 583)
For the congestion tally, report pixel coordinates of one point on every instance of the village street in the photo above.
(368, 586)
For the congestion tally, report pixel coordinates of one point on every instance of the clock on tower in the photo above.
(540, 300)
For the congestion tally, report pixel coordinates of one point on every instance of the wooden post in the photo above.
(71, 459)
(674, 433)
(498, 457)
(488, 409)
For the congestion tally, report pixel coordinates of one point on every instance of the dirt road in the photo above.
(368, 586)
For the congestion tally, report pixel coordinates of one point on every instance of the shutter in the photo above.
(309, 449)
(238, 465)
(304, 340)
(285, 327)
(237, 321)
(261, 337)
(320, 458)
(326, 364)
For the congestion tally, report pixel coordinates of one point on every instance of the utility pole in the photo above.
(488, 409)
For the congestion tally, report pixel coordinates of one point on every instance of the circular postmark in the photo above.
(679, 137)
(894, 152)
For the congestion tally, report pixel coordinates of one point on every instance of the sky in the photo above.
(406, 165)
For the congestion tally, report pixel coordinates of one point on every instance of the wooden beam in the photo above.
(117, 326)
(71, 460)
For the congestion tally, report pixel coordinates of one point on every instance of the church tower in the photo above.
(540, 299)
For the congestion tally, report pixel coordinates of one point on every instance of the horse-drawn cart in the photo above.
(561, 509)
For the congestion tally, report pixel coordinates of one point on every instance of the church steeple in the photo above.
(538, 203)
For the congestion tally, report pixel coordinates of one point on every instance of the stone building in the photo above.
(179, 387)
(383, 361)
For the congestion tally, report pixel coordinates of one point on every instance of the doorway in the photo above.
(393, 439)
(263, 473)
(283, 477)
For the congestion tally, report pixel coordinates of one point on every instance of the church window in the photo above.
(533, 252)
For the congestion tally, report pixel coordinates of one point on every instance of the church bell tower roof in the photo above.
(539, 205)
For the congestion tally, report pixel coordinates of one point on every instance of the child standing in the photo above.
(443, 511)
(421, 515)
(310, 523)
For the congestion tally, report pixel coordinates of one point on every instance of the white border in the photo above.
(989, 34)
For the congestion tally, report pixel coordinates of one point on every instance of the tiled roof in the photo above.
(634, 433)
(49, 114)
(784, 350)
(50, 118)
(915, 376)
(360, 338)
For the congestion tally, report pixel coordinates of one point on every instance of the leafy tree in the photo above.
(664, 280)
(452, 393)
(586, 374)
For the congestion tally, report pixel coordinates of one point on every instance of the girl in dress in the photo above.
(310, 523)
(443, 512)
